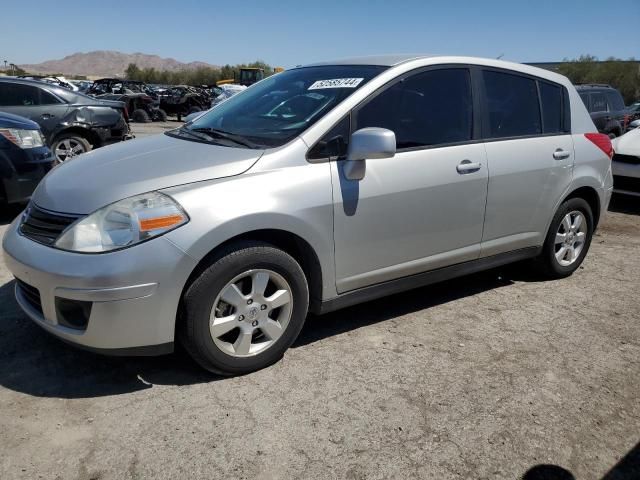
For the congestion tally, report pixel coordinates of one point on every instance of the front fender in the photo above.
(297, 200)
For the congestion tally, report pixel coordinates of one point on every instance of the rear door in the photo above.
(530, 154)
(423, 208)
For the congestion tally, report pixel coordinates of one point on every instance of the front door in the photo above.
(424, 208)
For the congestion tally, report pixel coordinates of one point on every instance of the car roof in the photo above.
(396, 60)
(388, 60)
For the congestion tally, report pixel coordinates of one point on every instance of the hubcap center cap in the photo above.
(253, 313)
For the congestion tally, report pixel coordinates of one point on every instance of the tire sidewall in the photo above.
(201, 295)
(573, 204)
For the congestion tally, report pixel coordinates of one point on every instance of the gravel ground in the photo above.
(489, 376)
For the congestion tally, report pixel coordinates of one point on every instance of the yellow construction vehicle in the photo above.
(248, 76)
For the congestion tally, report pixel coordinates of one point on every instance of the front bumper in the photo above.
(134, 293)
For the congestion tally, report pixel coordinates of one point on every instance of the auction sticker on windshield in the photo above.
(336, 83)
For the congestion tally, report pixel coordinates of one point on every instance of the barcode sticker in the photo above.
(336, 83)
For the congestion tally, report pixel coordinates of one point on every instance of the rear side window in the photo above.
(512, 102)
(598, 102)
(551, 102)
(615, 100)
(47, 99)
(426, 109)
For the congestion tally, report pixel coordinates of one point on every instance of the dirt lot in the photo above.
(483, 377)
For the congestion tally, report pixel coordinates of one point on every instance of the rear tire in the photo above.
(568, 239)
(140, 116)
(244, 311)
(68, 146)
(160, 115)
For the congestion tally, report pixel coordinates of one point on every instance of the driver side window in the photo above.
(426, 109)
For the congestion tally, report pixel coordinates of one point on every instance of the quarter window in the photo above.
(334, 144)
(47, 99)
(426, 109)
(551, 101)
(512, 103)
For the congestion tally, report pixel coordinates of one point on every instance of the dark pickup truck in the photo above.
(606, 107)
(72, 123)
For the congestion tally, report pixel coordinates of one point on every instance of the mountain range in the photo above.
(106, 63)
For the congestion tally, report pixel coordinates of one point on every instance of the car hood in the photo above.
(9, 120)
(109, 174)
(628, 144)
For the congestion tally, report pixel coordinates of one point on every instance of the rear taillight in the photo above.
(602, 141)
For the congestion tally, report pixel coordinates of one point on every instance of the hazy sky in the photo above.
(286, 33)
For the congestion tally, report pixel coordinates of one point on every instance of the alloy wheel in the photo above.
(570, 238)
(251, 313)
(67, 149)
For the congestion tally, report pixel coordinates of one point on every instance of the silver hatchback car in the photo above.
(317, 188)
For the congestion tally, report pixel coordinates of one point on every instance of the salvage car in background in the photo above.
(626, 163)
(183, 100)
(141, 101)
(24, 158)
(72, 123)
(606, 107)
(221, 93)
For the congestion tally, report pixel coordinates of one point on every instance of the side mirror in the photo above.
(635, 124)
(368, 143)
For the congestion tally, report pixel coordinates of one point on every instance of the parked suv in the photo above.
(315, 189)
(606, 106)
(72, 123)
(24, 158)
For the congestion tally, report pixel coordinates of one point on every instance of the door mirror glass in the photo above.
(370, 143)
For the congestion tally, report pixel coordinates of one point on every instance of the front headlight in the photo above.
(123, 224)
(23, 138)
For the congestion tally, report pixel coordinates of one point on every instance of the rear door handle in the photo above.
(467, 166)
(561, 154)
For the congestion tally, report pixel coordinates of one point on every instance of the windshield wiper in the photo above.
(214, 132)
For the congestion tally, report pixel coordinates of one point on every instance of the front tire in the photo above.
(245, 310)
(568, 239)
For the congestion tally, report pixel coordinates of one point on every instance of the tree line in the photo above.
(196, 76)
(623, 75)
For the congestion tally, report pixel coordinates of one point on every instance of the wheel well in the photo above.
(288, 242)
(90, 136)
(591, 197)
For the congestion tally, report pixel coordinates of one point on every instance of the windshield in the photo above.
(280, 107)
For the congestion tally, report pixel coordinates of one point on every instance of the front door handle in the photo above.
(467, 166)
(561, 154)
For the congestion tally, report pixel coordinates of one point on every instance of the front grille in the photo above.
(625, 158)
(44, 227)
(30, 294)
